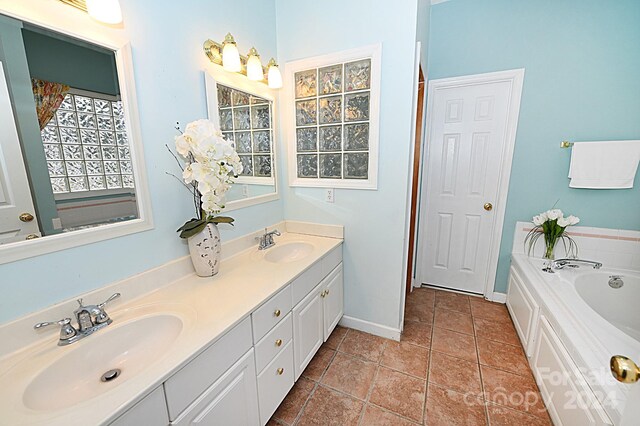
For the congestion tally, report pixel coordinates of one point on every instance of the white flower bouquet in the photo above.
(552, 225)
(211, 166)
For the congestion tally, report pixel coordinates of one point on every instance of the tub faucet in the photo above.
(90, 318)
(573, 263)
(266, 240)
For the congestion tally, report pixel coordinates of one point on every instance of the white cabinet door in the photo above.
(232, 400)
(151, 411)
(524, 311)
(308, 329)
(333, 300)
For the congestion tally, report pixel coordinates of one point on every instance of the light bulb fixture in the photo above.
(273, 75)
(106, 11)
(254, 66)
(230, 54)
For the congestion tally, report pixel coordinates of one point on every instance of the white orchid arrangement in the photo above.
(552, 225)
(211, 165)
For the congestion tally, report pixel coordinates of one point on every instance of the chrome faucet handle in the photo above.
(111, 298)
(66, 331)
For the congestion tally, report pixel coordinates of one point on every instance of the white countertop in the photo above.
(210, 307)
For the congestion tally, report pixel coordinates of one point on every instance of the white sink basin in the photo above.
(130, 346)
(288, 252)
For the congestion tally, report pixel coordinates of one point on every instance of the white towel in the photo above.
(604, 165)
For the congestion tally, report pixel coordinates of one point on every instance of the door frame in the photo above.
(516, 78)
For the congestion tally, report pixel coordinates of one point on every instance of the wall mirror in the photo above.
(71, 169)
(245, 111)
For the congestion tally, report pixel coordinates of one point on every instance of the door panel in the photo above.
(15, 195)
(468, 136)
(308, 330)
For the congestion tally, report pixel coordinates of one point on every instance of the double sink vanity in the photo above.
(186, 350)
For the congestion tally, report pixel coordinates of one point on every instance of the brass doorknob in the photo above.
(26, 217)
(280, 371)
(279, 342)
(488, 206)
(31, 237)
(624, 370)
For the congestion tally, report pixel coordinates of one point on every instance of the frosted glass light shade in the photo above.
(273, 76)
(107, 11)
(231, 57)
(254, 66)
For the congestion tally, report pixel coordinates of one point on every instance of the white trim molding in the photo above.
(371, 327)
(56, 16)
(373, 52)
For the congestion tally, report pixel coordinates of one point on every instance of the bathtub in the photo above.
(570, 323)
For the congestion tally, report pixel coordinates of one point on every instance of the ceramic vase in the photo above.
(204, 248)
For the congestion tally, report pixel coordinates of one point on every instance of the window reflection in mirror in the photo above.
(65, 136)
(246, 117)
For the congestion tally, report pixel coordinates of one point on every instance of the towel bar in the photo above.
(566, 144)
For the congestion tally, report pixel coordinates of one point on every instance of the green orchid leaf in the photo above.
(221, 219)
(191, 224)
(187, 233)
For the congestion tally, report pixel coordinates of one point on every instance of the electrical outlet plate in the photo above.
(329, 195)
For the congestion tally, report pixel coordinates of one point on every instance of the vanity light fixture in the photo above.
(249, 65)
(273, 75)
(254, 66)
(106, 11)
(230, 54)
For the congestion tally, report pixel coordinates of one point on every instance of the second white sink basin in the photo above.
(288, 252)
(128, 349)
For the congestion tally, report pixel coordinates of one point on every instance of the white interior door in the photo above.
(15, 195)
(471, 129)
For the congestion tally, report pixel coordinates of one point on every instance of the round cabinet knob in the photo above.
(324, 293)
(279, 342)
(327, 292)
(488, 206)
(280, 371)
(26, 217)
(31, 237)
(277, 312)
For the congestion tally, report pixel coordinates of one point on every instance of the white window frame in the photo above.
(373, 52)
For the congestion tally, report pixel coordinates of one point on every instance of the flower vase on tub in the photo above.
(552, 225)
(211, 166)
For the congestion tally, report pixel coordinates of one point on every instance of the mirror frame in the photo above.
(56, 16)
(215, 74)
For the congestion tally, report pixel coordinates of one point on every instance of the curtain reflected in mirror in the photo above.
(65, 153)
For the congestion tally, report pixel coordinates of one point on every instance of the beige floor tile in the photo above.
(453, 301)
(376, 416)
(511, 390)
(399, 393)
(407, 358)
(453, 320)
(351, 375)
(503, 357)
(417, 333)
(418, 312)
(336, 337)
(498, 331)
(318, 364)
(489, 310)
(502, 416)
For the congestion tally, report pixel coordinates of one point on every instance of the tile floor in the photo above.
(459, 362)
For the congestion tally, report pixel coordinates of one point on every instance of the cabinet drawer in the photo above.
(273, 343)
(275, 382)
(306, 282)
(271, 313)
(185, 386)
(151, 411)
(331, 260)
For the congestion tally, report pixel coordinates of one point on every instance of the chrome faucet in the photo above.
(573, 263)
(89, 318)
(266, 240)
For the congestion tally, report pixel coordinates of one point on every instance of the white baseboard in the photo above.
(370, 327)
(497, 297)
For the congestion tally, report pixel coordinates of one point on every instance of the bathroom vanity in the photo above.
(222, 350)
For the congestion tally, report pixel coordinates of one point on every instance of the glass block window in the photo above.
(86, 146)
(247, 120)
(334, 138)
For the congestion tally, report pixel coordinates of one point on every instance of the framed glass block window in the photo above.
(86, 145)
(333, 131)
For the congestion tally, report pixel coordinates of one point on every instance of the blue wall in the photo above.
(168, 65)
(582, 83)
(374, 220)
